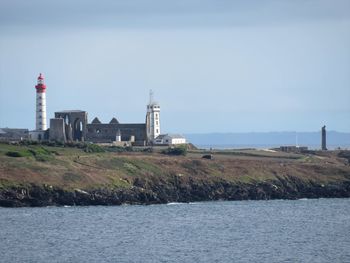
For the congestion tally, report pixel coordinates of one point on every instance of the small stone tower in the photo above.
(323, 142)
(40, 124)
(118, 137)
(152, 119)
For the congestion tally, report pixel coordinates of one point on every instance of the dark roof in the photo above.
(176, 136)
(161, 136)
(114, 121)
(14, 130)
(96, 120)
(13, 133)
(65, 111)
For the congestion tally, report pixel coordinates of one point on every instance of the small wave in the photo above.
(175, 203)
(67, 206)
(303, 199)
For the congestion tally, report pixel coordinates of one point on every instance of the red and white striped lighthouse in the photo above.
(40, 124)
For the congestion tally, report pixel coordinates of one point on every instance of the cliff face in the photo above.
(72, 177)
(176, 190)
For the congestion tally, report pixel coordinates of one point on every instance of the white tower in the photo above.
(40, 124)
(152, 119)
(118, 137)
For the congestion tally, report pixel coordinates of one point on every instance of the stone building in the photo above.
(116, 132)
(72, 125)
(9, 134)
(170, 139)
(152, 119)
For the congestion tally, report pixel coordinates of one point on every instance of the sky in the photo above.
(214, 65)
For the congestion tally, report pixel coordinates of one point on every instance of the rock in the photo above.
(178, 189)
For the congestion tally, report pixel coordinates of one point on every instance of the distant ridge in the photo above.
(269, 139)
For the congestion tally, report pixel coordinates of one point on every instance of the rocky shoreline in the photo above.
(176, 190)
(41, 175)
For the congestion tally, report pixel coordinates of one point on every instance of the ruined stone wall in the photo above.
(75, 122)
(57, 130)
(105, 133)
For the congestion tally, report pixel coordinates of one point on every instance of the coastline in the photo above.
(59, 176)
(40, 196)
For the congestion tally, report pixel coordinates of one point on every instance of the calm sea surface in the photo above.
(241, 231)
(268, 146)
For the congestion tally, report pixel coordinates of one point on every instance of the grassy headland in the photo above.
(35, 175)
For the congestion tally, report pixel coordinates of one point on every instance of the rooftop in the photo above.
(71, 111)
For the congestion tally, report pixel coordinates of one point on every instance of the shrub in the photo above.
(14, 154)
(148, 150)
(179, 150)
(28, 142)
(41, 154)
(93, 148)
(117, 149)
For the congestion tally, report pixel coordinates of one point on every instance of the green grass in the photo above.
(73, 167)
(117, 182)
(129, 166)
(6, 184)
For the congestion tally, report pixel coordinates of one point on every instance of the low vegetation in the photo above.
(179, 150)
(89, 166)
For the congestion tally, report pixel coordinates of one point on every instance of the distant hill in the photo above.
(269, 139)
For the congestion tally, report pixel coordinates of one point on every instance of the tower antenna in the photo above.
(151, 94)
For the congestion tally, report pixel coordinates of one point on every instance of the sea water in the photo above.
(239, 231)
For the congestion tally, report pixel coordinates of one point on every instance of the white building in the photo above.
(152, 119)
(170, 139)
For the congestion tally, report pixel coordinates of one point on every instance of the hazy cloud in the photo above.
(215, 65)
(161, 13)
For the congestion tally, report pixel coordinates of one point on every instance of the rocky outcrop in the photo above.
(175, 189)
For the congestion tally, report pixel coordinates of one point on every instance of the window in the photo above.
(157, 123)
(157, 131)
(98, 131)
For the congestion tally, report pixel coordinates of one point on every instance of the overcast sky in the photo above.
(214, 65)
